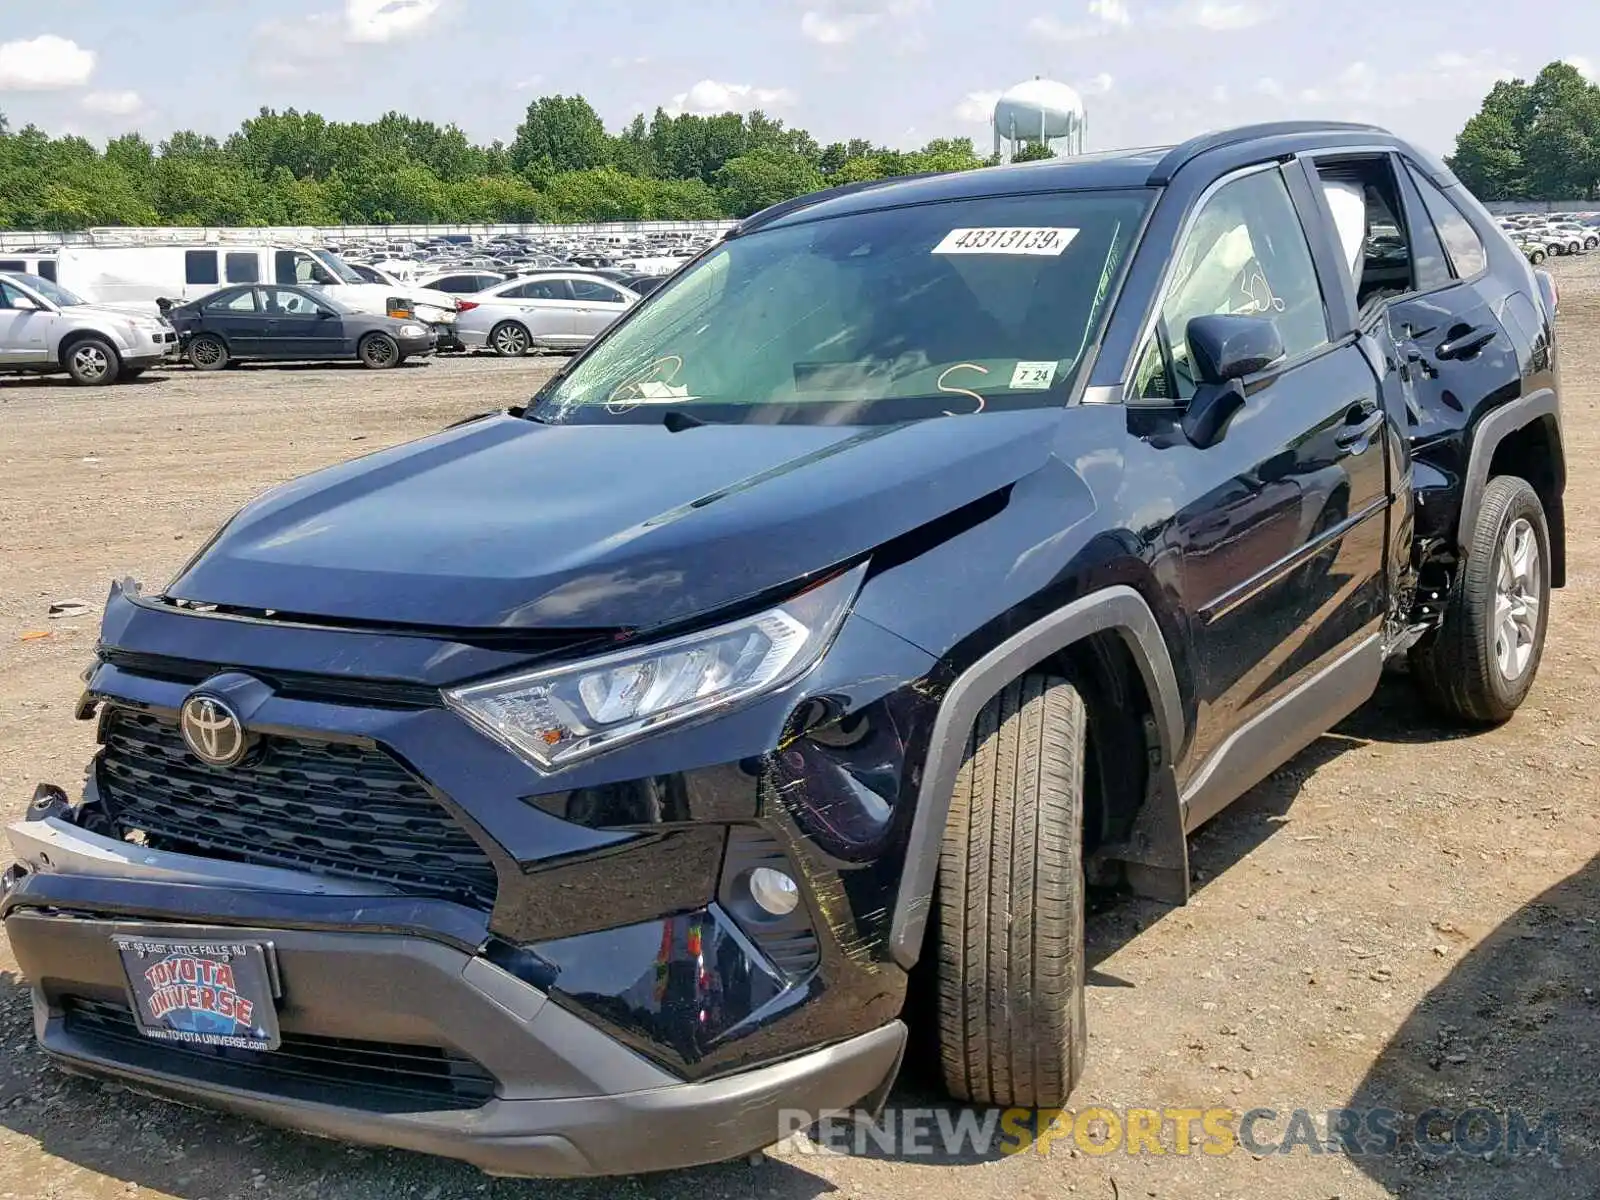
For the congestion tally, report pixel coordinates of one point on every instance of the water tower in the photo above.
(1039, 111)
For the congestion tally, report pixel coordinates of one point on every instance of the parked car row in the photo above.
(1545, 235)
(46, 328)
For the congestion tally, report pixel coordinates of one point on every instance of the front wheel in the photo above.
(1536, 257)
(379, 351)
(1010, 963)
(92, 362)
(509, 340)
(1481, 663)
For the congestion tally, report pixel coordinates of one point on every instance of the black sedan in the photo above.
(282, 323)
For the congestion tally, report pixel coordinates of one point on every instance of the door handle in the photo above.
(1361, 420)
(1470, 342)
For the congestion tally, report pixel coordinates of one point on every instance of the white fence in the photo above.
(12, 240)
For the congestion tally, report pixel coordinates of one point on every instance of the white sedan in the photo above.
(556, 310)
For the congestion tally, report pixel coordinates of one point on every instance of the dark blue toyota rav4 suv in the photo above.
(574, 790)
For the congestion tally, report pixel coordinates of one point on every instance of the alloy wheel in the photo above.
(91, 362)
(1518, 588)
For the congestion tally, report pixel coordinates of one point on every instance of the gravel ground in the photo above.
(1402, 917)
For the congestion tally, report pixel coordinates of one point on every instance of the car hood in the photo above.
(510, 524)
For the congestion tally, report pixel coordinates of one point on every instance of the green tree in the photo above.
(753, 181)
(560, 133)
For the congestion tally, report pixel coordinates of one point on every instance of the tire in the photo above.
(207, 353)
(92, 362)
(510, 340)
(1010, 963)
(379, 352)
(1480, 664)
(1536, 257)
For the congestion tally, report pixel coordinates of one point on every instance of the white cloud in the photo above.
(113, 104)
(837, 29)
(710, 98)
(524, 85)
(1221, 15)
(1585, 66)
(44, 64)
(1268, 86)
(1112, 12)
(1099, 85)
(387, 20)
(977, 108)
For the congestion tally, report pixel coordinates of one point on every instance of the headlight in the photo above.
(413, 331)
(557, 716)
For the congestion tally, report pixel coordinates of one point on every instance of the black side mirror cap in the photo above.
(1225, 348)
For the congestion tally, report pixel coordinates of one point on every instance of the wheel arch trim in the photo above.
(1492, 429)
(1120, 610)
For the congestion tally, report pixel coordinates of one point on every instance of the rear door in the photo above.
(1458, 356)
(547, 308)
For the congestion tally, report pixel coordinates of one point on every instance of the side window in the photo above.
(243, 266)
(458, 285)
(283, 266)
(595, 293)
(1427, 252)
(12, 264)
(487, 281)
(542, 289)
(1246, 254)
(290, 304)
(1461, 240)
(47, 269)
(8, 295)
(233, 302)
(200, 266)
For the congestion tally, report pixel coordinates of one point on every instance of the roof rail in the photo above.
(179, 235)
(784, 207)
(1180, 156)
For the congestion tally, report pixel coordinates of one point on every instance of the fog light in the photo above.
(774, 891)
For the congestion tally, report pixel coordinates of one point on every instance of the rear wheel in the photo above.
(207, 353)
(92, 362)
(510, 340)
(1481, 663)
(1011, 902)
(379, 351)
(1536, 257)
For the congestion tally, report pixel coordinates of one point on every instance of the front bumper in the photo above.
(567, 1099)
(418, 347)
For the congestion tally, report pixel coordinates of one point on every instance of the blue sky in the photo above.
(897, 71)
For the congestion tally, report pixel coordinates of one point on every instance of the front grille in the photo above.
(385, 1077)
(331, 808)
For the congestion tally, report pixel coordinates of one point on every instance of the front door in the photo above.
(1280, 545)
(298, 327)
(597, 306)
(24, 333)
(235, 316)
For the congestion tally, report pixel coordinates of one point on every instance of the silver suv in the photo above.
(45, 329)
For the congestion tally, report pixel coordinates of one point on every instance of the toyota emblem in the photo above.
(212, 731)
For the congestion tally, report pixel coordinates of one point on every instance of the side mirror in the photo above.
(1225, 350)
(24, 304)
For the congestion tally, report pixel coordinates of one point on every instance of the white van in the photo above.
(139, 276)
(30, 262)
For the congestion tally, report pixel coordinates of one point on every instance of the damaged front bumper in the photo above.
(395, 1029)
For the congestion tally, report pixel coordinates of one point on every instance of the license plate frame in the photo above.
(203, 992)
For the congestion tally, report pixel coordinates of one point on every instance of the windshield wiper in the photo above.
(677, 421)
